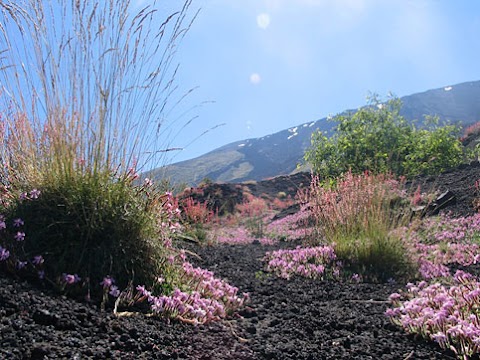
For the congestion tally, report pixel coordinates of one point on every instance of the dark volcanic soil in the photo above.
(296, 319)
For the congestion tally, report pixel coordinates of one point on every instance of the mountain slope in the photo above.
(279, 153)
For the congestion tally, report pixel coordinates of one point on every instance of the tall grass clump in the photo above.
(358, 216)
(88, 88)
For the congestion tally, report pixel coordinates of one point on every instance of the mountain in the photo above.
(279, 153)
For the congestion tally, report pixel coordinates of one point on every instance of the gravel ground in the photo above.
(296, 319)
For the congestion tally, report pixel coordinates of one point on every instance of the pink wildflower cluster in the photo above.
(186, 307)
(447, 315)
(252, 207)
(431, 270)
(291, 227)
(171, 215)
(240, 236)
(447, 229)
(442, 241)
(210, 286)
(212, 298)
(449, 253)
(279, 204)
(307, 262)
(196, 212)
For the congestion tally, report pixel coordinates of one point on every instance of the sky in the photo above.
(262, 66)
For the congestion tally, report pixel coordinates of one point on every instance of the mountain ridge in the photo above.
(279, 153)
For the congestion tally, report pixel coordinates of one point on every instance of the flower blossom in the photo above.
(4, 254)
(18, 222)
(19, 236)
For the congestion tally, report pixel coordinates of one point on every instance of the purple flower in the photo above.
(107, 282)
(21, 264)
(41, 274)
(37, 260)
(2, 225)
(356, 278)
(394, 297)
(18, 222)
(71, 279)
(19, 236)
(114, 291)
(440, 338)
(34, 194)
(4, 254)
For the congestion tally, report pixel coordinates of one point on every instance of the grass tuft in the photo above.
(358, 216)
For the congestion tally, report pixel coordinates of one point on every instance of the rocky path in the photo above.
(296, 319)
(307, 319)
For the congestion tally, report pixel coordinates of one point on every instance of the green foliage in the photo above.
(93, 226)
(375, 254)
(435, 149)
(379, 139)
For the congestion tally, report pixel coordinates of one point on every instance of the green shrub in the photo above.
(93, 226)
(379, 139)
(435, 149)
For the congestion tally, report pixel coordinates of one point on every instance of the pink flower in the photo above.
(440, 338)
(394, 297)
(71, 279)
(147, 182)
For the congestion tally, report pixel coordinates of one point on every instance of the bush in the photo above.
(436, 149)
(379, 139)
(93, 227)
(357, 218)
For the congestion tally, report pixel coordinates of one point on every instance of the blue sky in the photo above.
(262, 66)
(271, 64)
